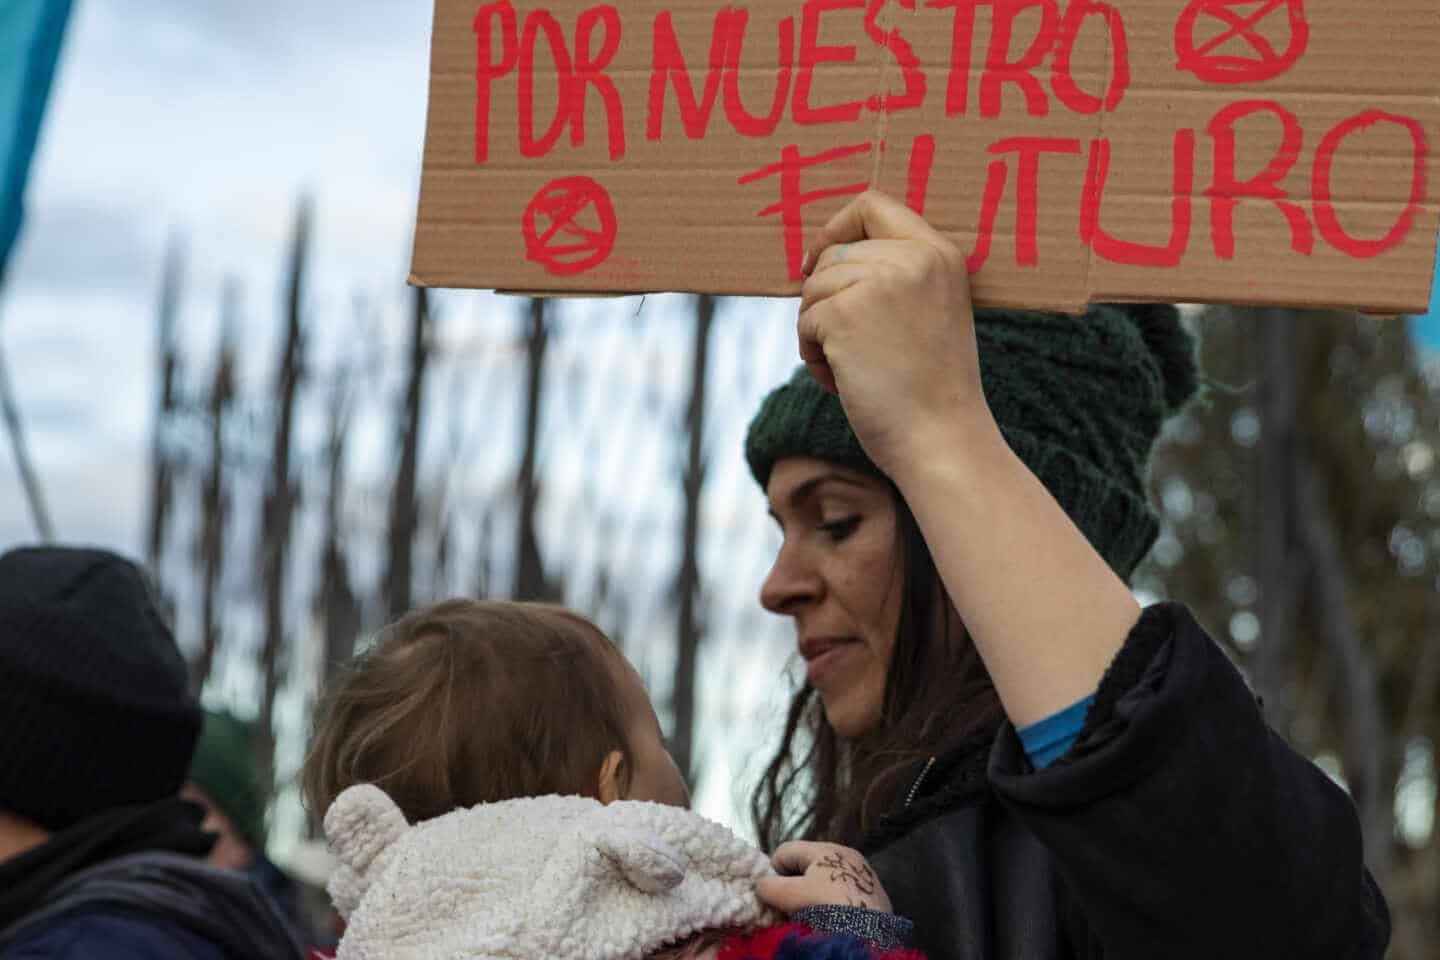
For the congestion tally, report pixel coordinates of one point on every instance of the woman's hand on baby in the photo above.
(885, 321)
(815, 874)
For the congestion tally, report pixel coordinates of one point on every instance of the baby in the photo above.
(496, 785)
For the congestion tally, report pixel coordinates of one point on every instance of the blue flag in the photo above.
(1426, 330)
(30, 33)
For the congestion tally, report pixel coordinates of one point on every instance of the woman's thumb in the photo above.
(812, 352)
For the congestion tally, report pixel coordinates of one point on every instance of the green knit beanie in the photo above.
(1079, 399)
(224, 766)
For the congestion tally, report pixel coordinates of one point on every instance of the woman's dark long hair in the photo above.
(819, 786)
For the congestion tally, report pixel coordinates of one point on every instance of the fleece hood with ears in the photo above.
(566, 878)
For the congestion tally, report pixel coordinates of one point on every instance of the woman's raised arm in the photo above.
(886, 320)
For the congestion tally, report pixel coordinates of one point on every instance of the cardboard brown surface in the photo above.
(1266, 152)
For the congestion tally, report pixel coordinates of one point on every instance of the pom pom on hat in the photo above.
(1171, 347)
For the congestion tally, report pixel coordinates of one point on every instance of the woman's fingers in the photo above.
(791, 890)
(830, 281)
(794, 857)
(873, 251)
(812, 874)
(786, 894)
(885, 323)
(810, 329)
(871, 215)
(837, 269)
(813, 324)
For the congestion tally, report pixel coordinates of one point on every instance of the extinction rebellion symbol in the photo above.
(1232, 41)
(569, 226)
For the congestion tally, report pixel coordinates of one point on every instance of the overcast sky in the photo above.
(203, 119)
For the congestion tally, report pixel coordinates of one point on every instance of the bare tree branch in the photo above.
(1275, 457)
(280, 498)
(335, 602)
(530, 580)
(210, 547)
(1421, 709)
(690, 632)
(403, 508)
(1366, 748)
(162, 464)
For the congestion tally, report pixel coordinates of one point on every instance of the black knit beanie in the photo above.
(1079, 399)
(95, 711)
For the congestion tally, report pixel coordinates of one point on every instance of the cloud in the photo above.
(280, 29)
(70, 244)
(94, 500)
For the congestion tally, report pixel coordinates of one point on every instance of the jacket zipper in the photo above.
(910, 797)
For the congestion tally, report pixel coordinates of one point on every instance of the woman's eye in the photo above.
(838, 530)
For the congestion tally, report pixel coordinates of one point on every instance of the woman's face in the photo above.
(839, 577)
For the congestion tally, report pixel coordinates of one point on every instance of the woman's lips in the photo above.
(821, 654)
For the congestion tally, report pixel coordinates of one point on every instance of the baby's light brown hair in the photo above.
(467, 702)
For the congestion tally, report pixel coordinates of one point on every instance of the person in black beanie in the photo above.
(99, 858)
(1034, 766)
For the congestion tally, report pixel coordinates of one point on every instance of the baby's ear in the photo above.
(362, 826)
(613, 781)
(645, 861)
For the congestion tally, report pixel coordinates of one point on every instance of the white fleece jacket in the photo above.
(540, 878)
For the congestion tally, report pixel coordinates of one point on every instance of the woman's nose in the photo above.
(790, 584)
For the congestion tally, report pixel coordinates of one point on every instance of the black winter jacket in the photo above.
(132, 883)
(1178, 825)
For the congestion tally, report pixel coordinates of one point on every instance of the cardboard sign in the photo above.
(1238, 151)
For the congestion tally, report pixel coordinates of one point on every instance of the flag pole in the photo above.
(28, 479)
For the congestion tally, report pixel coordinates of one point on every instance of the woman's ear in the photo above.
(614, 778)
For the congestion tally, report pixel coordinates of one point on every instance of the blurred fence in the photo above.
(589, 451)
(464, 443)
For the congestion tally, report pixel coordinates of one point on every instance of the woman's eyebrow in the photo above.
(809, 486)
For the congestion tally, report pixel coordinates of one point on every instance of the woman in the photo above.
(1035, 767)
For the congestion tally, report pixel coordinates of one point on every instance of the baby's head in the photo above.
(467, 702)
